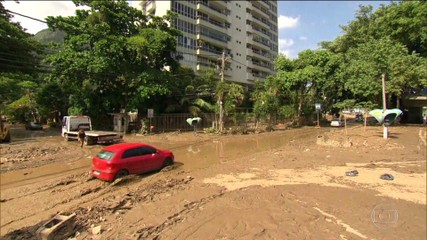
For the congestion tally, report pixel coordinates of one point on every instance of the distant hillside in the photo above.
(46, 36)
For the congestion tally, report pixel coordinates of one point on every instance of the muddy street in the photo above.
(191, 151)
(281, 185)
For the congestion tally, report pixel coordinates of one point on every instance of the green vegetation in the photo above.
(347, 71)
(111, 57)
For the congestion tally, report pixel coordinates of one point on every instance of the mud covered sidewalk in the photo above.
(281, 185)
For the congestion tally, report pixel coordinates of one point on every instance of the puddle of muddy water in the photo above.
(194, 155)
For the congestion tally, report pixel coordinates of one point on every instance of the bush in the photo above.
(210, 130)
(54, 124)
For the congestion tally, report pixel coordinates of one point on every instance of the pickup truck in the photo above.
(72, 124)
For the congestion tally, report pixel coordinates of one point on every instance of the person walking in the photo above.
(81, 136)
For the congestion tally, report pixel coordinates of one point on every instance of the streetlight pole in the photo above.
(385, 128)
(221, 94)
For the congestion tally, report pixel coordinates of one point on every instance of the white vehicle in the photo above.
(72, 124)
(336, 122)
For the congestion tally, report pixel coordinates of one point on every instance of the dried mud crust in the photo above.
(103, 199)
(358, 137)
(169, 204)
(34, 154)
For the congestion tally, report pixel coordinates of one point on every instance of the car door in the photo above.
(132, 161)
(150, 157)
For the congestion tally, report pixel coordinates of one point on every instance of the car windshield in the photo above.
(106, 155)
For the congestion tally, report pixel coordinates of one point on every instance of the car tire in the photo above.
(122, 173)
(167, 162)
(88, 141)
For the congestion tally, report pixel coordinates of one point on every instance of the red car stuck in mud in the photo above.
(121, 159)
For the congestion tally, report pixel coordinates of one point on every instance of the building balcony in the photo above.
(264, 3)
(259, 43)
(210, 39)
(258, 54)
(219, 4)
(208, 53)
(260, 11)
(210, 24)
(249, 17)
(253, 77)
(250, 77)
(265, 33)
(260, 66)
(264, 22)
(149, 6)
(204, 67)
(211, 11)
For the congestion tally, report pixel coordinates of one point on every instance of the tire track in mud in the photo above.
(112, 204)
(83, 192)
(153, 232)
(108, 205)
(84, 187)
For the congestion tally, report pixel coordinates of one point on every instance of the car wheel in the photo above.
(167, 162)
(88, 141)
(121, 173)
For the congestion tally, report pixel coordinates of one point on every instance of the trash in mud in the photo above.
(387, 177)
(353, 173)
(59, 227)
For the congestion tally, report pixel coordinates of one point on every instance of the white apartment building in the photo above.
(246, 30)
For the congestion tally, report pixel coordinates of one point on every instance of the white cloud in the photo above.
(39, 10)
(285, 52)
(303, 38)
(285, 42)
(287, 22)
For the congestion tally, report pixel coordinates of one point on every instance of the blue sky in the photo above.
(302, 24)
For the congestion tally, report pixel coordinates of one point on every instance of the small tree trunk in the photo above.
(299, 114)
(365, 118)
(345, 124)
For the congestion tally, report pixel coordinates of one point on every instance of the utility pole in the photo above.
(385, 128)
(221, 95)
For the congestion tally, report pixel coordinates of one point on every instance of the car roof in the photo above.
(124, 146)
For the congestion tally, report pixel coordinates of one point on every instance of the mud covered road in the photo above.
(282, 185)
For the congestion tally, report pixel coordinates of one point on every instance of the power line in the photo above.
(22, 15)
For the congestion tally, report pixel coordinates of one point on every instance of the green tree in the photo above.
(404, 22)
(19, 68)
(401, 21)
(18, 51)
(366, 63)
(305, 79)
(266, 99)
(51, 101)
(112, 57)
(197, 95)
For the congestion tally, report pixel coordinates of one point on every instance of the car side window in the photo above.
(131, 153)
(147, 150)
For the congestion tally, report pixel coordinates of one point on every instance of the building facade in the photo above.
(246, 31)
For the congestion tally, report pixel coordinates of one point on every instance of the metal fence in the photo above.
(175, 122)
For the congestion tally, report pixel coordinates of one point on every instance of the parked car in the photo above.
(33, 126)
(336, 122)
(119, 160)
(359, 117)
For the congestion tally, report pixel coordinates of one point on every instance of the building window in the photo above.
(183, 10)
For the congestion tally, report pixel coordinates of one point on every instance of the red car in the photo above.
(118, 160)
